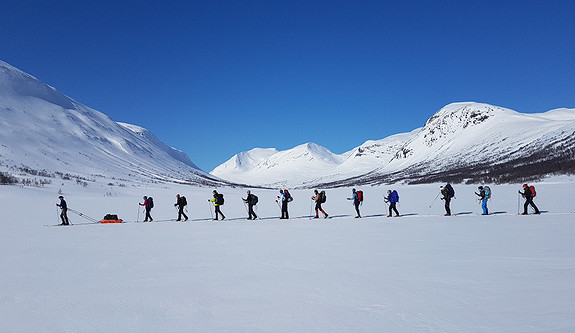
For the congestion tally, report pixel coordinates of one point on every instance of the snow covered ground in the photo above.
(422, 272)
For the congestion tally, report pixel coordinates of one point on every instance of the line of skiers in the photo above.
(392, 199)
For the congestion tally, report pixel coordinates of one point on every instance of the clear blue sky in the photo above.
(217, 77)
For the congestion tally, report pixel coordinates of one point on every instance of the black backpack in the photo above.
(220, 199)
(288, 196)
(450, 190)
(322, 197)
(150, 202)
(253, 199)
(184, 201)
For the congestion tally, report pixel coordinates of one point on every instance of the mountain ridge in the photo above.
(460, 136)
(45, 131)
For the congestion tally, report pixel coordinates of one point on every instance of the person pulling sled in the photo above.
(64, 211)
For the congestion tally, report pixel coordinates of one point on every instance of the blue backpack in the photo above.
(394, 196)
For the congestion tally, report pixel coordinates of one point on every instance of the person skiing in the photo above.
(319, 198)
(285, 198)
(356, 202)
(446, 193)
(148, 204)
(528, 195)
(392, 198)
(483, 197)
(218, 200)
(251, 200)
(181, 203)
(64, 208)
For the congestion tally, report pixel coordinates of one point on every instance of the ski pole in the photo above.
(256, 211)
(437, 196)
(246, 207)
(210, 206)
(138, 219)
(518, 199)
(311, 208)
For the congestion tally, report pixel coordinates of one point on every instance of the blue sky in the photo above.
(213, 78)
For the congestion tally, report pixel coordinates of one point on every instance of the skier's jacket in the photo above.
(252, 199)
(182, 202)
(218, 199)
(527, 193)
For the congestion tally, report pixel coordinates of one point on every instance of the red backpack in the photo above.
(532, 189)
(359, 196)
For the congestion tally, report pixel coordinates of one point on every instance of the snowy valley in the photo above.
(420, 272)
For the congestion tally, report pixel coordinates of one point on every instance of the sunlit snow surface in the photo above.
(421, 272)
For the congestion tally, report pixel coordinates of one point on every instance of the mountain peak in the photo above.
(17, 86)
(76, 139)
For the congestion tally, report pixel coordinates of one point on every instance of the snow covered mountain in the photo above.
(269, 167)
(462, 141)
(484, 142)
(45, 132)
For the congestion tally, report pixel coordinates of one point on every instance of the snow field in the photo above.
(419, 273)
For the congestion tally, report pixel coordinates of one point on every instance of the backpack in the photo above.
(150, 202)
(253, 199)
(487, 191)
(184, 201)
(322, 197)
(288, 196)
(359, 196)
(220, 199)
(450, 190)
(394, 196)
(533, 193)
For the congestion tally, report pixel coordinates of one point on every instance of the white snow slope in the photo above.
(460, 135)
(422, 272)
(43, 130)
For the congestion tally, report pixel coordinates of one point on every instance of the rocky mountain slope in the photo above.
(462, 141)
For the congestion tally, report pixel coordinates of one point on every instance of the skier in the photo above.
(148, 204)
(251, 200)
(393, 199)
(319, 198)
(218, 201)
(356, 202)
(64, 214)
(528, 195)
(285, 198)
(447, 193)
(181, 202)
(484, 194)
